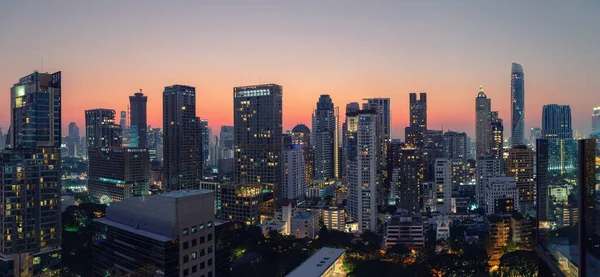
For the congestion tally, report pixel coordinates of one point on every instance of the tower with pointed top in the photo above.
(482, 123)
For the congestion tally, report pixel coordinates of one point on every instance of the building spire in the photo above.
(481, 93)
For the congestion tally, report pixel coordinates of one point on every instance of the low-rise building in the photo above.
(406, 230)
(501, 195)
(327, 262)
(522, 230)
(334, 218)
(460, 205)
(499, 233)
(305, 225)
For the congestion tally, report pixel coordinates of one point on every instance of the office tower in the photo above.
(534, 134)
(568, 232)
(487, 168)
(433, 148)
(301, 136)
(137, 120)
(418, 120)
(30, 175)
(361, 167)
(101, 130)
(501, 195)
(294, 174)
(443, 185)
(483, 106)
(596, 120)
(556, 122)
(205, 135)
(496, 136)
(517, 108)
(241, 203)
(520, 165)
(226, 137)
(407, 179)
(73, 140)
(182, 145)
(257, 135)
(324, 136)
(455, 145)
(125, 138)
(117, 174)
(171, 234)
(154, 144)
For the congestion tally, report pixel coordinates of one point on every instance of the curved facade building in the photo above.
(517, 108)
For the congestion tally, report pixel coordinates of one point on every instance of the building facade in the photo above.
(519, 164)
(294, 175)
(501, 195)
(305, 225)
(456, 145)
(418, 120)
(138, 120)
(407, 179)
(241, 203)
(556, 122)
(301, 136)
(101, 130)
(487, 167)
(496, 136)
(324, 137)
(517, 108)
(483, 109)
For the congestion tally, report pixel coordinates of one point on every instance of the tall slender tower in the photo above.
(138, 132)
(182, 147)
(258, 125)
(517, 108)
(482, 123)
(418, 120)
(30, 171)
(324, 134)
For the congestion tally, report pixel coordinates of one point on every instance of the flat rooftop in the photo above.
(318, 263)
(185, 193)
(130, 229)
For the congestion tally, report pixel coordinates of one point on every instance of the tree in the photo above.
(398, 252)
(371, 240)
(524, 263)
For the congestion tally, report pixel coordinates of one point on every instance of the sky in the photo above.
(108, 50)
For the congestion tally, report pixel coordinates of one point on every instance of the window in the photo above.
(209, 224)
(194, 269)
(202, 239)
(209, 249)
(209, 237)
(186, 259)
(194, 229)
(185, 245)
(194, 255)
(202, 265)
(210, 274)
(186, 272)
(210, 262)
(201, 226)
(194, 242)
(202, 252)
(185, 231)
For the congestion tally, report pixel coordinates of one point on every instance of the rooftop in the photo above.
(318, 263)
(186, 193)
(134, 230)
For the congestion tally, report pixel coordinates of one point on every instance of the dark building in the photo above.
(257, 136)
(568, 227)
(556, 122)
(241, 203)
(433, 148)
(407, 179)
(226, 137)
(223, 244)
(30, 171)
(418, 120)
(137, 120)
(73, 140)
(324, 129)
(155, 144)
(205, 135)
(455, 145)
(117, 174)
(182, 144)
(101, 130)
(496, 136)
(301, 136)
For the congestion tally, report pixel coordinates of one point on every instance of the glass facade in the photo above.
(568, 206)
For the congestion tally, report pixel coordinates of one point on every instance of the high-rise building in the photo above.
(384, 125)
(301, 136)
(501, 195)
(258, 135)
(569, 230)
(118, 173)
(324, 138)
(241, 203)
(101, 130)
(443, 185)
(556, 122)
(520, 165)
(137, 120)
(483, 106)
(407, 179)
(433, 148)
(418, 120)
(293, 185)
(205, 135)
(171, 234)
(487, 168)
(361, 143)
(182, 145)
(226, 137)
(2, 140)
(456, 145)
(73, 140)
(351, 107)
(155, 144)
(534, 134)
(517, 108)
(125, 138)
(496, 136)
(596, 120)
(30, 175)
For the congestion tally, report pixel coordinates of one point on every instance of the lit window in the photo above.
(194, 229)
(185, 231)
(194, 255)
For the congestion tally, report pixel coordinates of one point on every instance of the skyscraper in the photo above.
(182, 144)
(487, 168)
(443, 185)
(361, 167)
(520, 165)
(407, 179)
(324, 136)
(293, 173)
(418, 119)
(455, 145)
(137, 120)
(258, 130)
(301, 136)
(483, 107)
(30, 176)
(556, 122)
(517, 108)
(534, 134)
(496, 135)
(596, 120)
(101, 130)
(384, 121)
(155, 144)
(73, 140)
(205, 135)
(226, 137)
(125, 138)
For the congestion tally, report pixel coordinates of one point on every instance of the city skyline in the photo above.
(312, 49)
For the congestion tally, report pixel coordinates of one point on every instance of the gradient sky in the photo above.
(107, 50)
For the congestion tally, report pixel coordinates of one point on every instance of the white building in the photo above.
(442, 229)
(501, 195)
(443, 186)
(327, 262)
(305, 225)
(487, 167)
(293, 175)
(334, 218)
(361, 167)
